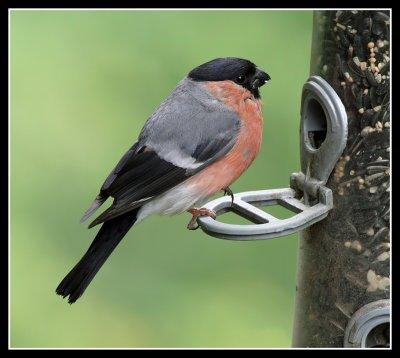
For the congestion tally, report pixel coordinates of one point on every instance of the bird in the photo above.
(199, 140)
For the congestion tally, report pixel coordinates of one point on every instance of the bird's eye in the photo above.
(241, 79)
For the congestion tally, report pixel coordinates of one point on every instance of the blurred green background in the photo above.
(82, 85)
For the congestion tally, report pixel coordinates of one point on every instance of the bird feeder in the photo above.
(323, 137)
(340, 198)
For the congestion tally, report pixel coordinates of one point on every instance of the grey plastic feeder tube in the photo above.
(344, 260)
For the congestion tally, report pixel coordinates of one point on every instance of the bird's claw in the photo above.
(197, 212)
(228, 191)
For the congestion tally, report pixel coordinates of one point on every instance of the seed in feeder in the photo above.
(361, 110)
(373, 67)
(377, 108)
(383, 77)
(371, 278)
(325, 68)
(385, 245)
(383, 256)
(383, 283)
(367, 253)
(341, 191)
(361, 181)
(352, 172)
(370, 231)
(347, 244)
(356, 61)
(379, 125)
(347, 158)
(373, 189)
(376, 281)
(380, 43)
(387, 124)
(371, 55)
(356, 245)
(376, 50)
(365, 132)
(347, 75)
(348, 185)
(372, 59)
(371, 45)
(343, 84)
(378, 78)
(363, 66)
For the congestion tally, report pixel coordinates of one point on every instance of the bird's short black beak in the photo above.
(260, 78)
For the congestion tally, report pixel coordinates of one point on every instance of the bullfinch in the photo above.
(196, 143)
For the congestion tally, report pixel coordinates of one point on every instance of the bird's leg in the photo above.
(197, 212)
(228, 191)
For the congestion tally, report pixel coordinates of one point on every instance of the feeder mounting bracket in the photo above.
(323, 136)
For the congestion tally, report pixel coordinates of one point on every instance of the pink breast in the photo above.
(226, 170)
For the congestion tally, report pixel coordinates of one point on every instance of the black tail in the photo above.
(106, 240)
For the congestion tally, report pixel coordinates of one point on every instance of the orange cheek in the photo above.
(235, 97)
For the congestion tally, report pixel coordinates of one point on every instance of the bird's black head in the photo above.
(243, 72)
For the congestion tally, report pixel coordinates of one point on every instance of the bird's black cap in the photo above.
(238, 70)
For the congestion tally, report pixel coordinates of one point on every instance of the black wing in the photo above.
(137, 178)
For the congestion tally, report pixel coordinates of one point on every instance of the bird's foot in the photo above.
(228, 191)
(197, 212)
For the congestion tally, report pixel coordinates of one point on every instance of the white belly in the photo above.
(173, 201)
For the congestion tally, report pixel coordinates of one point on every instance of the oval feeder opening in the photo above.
(323, 129)
(315, 123)
(369, 327)
(379, 336)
